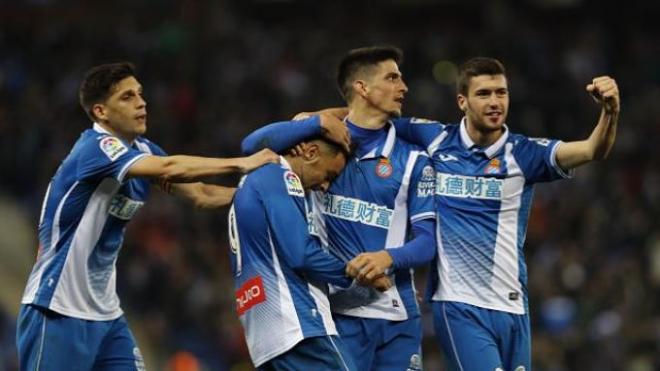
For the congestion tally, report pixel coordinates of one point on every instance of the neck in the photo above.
(480, 137)
(122, 136)
(294, 162)
(366, 117)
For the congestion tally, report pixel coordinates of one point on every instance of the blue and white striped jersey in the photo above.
(85, 211)
(368, 208)
(483, 199)
(278, 266)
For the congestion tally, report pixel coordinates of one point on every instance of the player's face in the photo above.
(318, 174)
(385, 88)
(487, 102)
(125, 111)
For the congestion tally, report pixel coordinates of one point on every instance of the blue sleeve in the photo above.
(284, 201)
(106, 156)
(280, 136)
(537, 159)
(421, 132)
(418, 251)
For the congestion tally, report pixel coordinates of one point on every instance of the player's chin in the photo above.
(396, 113)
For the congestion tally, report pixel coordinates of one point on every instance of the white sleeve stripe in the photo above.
(130, 163)
(555, 165)
(422, 216)
(436, 143)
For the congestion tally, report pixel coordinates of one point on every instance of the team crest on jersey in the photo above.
(384, 168)
(493, 166)
(112, 147)
(293, 185)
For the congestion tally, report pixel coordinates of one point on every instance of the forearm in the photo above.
(418, 251)
(183, 168)
(604, 134)
(281, 135)
(597, 147)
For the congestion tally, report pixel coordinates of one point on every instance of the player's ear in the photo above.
(312, 152)
(99, 111)
(360, 88)
(462, 102)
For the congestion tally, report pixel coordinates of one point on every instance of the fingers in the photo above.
(302, 116)
(354, 267)
(605, 91)
(269, 156)
(382, 284)
(605, 86)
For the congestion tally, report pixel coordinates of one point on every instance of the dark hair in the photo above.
(358, 59)
(331, 147)
(99, 81)
(476, 67)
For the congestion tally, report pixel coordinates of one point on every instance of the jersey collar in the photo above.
(492, 150)
(384, 149)
(97, 127)
(285, 164)
(100, 129)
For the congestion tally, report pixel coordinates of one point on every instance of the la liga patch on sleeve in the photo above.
(293, 185)
(112, 147)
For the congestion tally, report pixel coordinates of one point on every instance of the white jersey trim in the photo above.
(73, 295)
(289, 326)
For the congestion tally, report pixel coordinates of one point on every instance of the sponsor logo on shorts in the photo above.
(250, 294)
(415, 363)
(112, 147)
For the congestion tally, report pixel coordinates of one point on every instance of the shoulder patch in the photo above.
(112, 147)
(293, 184)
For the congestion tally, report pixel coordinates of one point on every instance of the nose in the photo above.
(141, 102)
(404, 87)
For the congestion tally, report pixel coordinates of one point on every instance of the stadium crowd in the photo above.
(213, 71)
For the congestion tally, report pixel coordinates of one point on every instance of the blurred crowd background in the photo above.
(215, 70)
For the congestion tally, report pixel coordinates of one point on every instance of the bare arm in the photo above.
(182, 168)
(597, 147)
(203, 196)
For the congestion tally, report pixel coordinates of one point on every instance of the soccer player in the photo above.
(70, 318)
(278, 265)
(366, 212)
(485, 179)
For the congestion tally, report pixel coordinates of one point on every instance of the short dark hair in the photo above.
(331, 147)
(98, 83)
(358, 59)
(476, 67)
